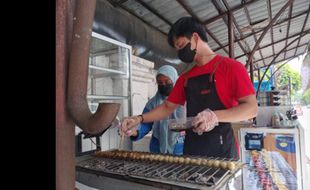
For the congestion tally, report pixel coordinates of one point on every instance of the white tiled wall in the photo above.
(143, 83)
(143, 88)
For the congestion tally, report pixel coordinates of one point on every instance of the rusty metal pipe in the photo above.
(65, 168)
(78, 74)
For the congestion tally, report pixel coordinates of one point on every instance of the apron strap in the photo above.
(214, 68)
(212, 73)
(186, 78)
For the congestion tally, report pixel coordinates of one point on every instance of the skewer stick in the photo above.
(120, 146)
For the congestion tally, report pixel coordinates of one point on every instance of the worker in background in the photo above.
(163, 140)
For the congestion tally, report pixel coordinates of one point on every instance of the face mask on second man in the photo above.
(165, 89)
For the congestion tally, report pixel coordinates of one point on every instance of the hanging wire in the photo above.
(97, 145)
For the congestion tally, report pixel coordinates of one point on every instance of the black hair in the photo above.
(186, 26)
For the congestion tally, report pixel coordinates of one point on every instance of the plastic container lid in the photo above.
(180, 124)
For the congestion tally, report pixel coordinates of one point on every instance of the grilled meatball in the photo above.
(187, 160)
(216, 164)
(231, 165)
(223, 164)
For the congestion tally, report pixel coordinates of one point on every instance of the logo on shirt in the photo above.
(207, 91)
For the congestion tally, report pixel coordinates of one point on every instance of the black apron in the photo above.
(201, 94)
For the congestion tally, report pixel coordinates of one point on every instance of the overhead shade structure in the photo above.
(237, 35)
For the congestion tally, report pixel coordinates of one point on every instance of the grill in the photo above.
(193, 172)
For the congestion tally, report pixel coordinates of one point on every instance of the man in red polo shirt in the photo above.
(217, 91)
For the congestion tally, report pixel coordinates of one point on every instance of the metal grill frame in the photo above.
(148, 172)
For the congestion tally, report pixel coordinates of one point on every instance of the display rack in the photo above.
(109, 80)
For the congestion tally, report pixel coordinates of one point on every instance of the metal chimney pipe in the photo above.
(78, 74)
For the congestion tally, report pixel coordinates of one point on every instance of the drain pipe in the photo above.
(78, 74)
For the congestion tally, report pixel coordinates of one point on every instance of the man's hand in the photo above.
(205, 121)
(129, 124)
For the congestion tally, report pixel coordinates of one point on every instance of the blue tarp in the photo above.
(262, 86)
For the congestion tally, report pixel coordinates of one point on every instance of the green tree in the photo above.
(267, 76)
(305, 75)
(306, 97)
(283, 78)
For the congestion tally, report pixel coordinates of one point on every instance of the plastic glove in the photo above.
(132, 132)
(129, 123)
(205, 121)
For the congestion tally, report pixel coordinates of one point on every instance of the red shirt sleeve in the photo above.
(177, 95)
(241, 83)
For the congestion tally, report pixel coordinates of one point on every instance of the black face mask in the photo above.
(186, 54)
(165, 89)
